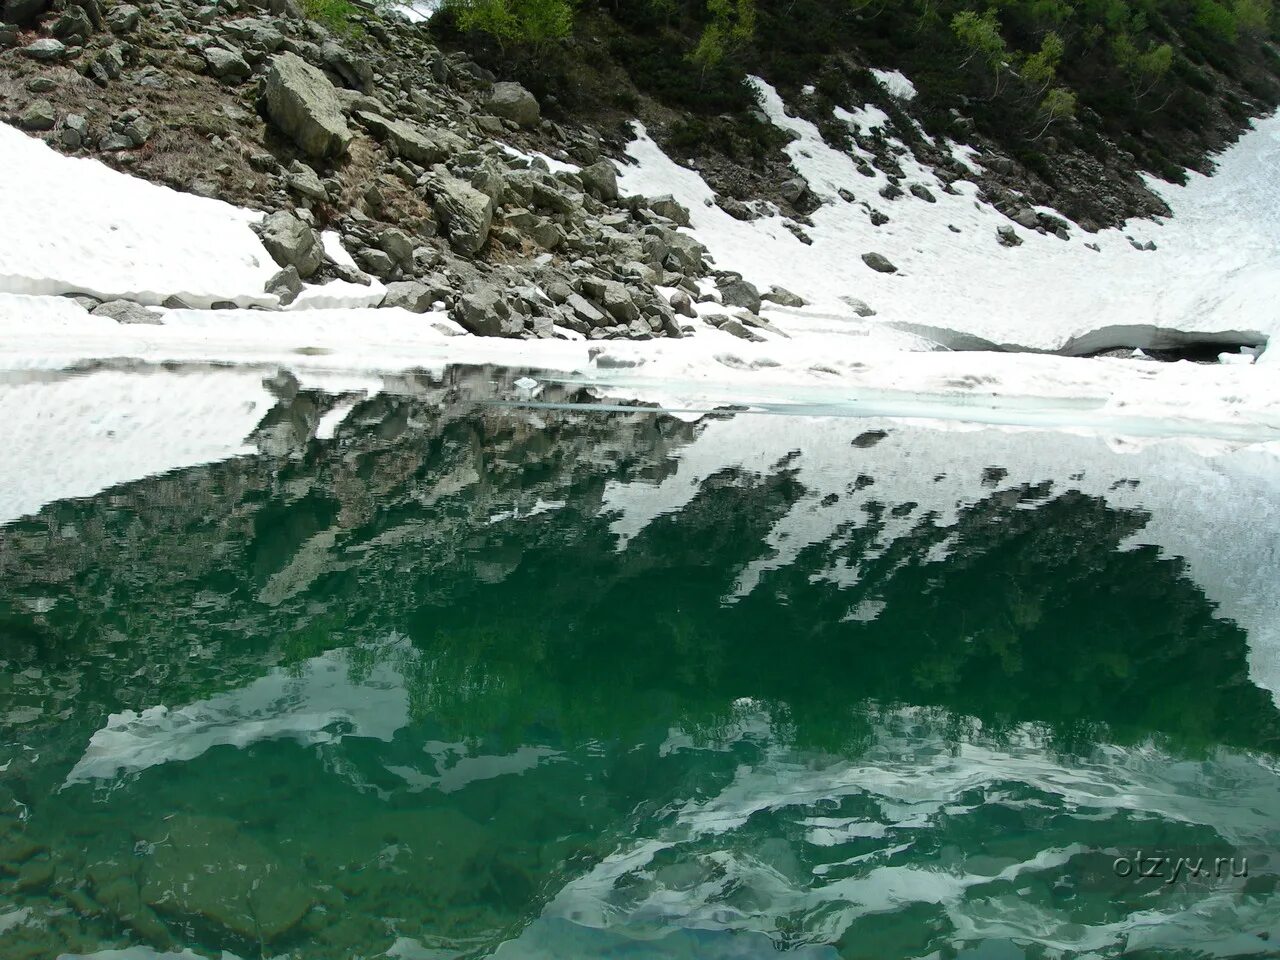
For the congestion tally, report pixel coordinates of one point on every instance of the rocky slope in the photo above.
(412, 155)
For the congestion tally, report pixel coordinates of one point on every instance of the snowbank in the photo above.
(76, 226)
(1215, 269)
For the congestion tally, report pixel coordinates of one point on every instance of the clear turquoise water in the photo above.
(469, 680)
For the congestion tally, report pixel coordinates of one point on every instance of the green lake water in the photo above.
(473, 679)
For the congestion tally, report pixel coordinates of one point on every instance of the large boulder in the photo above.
(226, 65)
(485, 313)
(411, 141)
(467, 214)
(208, 871)
(515, 103)
(601, 180)
(292, 243)
(736, 292)
(46, 50)
(126, 311)
(667, 206)
(412, 295)
(302, 102)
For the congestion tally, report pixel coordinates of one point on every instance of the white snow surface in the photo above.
(867, 117)
(895, 83)
(74, 225)
(1216, 267)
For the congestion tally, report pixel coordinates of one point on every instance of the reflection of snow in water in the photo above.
(918, 781)
(73, 436)
(1216, 509)
(316, 702)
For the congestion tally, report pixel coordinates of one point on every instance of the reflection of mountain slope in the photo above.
(485, 535)
(812, 660)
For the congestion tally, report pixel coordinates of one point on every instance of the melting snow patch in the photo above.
(895, 84)
(869, 117)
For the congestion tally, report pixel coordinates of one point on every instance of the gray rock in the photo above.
(255, 35)
(47, 50)
(485, 313)
(286, 285)
(226, 65)
(377, 262)
(355, 72)
(115, 141)
(618, 303)
(37, 115)
(794, 189)
(1007, 236)
(783, 297)
(860, 307)
(682, 304)
(1026, 217)
(513, 102)
(879, 263)
(138, 131)
(73, 22)
(396, 244)
(585, 310)
(411, 295)
(685, 254)
(546, 234)
(303, 104)
(924, 193)
(126, 311)
(734, 208)
(123, 18)
(74, 130)
(305, 182)
(739, 293)
(108, 64)
(667, 206)
(738, 329)
(291, 242)
(467, 214)
(411, 141)
(600, 180)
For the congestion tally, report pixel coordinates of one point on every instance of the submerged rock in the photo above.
(207, 869)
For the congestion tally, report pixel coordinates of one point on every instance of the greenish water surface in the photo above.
(466, 680)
